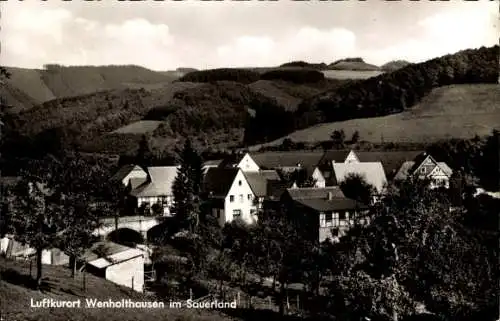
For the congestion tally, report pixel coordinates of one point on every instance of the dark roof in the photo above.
(231, 160)
(334, 204)
(219, 180)
(315, 192)
(391, 160)
(338, 156)
(259, 181)
(125, 170)
(275, 189)
(272, 160)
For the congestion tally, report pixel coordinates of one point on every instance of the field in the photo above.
(138, 127)
(15, 298)
(351, 74)
(458, 111)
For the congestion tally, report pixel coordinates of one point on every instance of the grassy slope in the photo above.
(458, 111)
(44, 85)
(15, 298)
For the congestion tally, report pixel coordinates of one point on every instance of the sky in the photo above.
(200, 34)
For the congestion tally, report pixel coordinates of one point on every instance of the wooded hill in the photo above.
(261, 107)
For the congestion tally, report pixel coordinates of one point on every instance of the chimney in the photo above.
(330, 196)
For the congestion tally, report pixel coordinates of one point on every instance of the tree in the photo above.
(355, 186)
(338, 138)
(144, 156)
(187, 188)
(34, 220)
(355, 137)
(415, 245)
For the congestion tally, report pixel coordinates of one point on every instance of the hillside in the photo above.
(39, 86)
(290, 95)
(394, 65)
(354, 64)
(456, 111)
(15, 298)
(400, 90)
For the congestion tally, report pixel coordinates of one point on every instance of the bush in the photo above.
(243, 76)
(296, 75)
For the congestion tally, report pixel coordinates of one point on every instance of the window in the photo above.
(239, 183)
(241, 198)
(342, 215)
(236, 214)
(328, 218)
(423, 170)
(231, 198)
(249, 197)
(336, 219)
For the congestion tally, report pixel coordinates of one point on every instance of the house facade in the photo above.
(237, 194)
(426, 167)
(117, 263)
(230, 195)
(324, 213)
(157, 189)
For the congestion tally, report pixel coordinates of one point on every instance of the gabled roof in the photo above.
(404, 170)
(323, 199)
(315, 192)
(126, 170)
(408, 169)
(372, 172)
(391, 160)
(104, 254)
(445, 168)
(273, 160)
(135, 182)
(219, 180)
(160, 182)
(259, 181)
(336, 204)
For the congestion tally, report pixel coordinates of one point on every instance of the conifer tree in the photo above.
(187, 188)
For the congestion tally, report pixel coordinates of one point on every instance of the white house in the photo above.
(426, 167)
(372, 172)
(235, 193)
(117, 263)
(157, 189)
(231, 195)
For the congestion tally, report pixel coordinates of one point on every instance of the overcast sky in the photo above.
(167, 35)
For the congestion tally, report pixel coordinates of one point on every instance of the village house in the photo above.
(373, 173)
(157, 189)
(131, 175)
(117, 263)
(323, 213)
(235, 194)
(285, 162)
(425, 166)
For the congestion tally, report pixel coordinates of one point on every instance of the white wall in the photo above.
(352, 157)
(247, 164)
(318, 177)
(136, 173)
(245, 205)
(125, 272)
